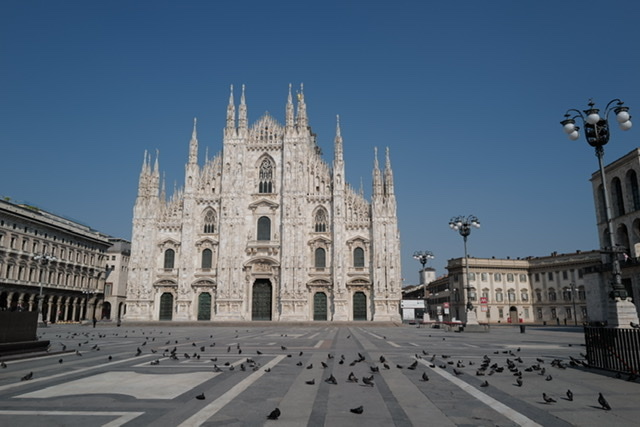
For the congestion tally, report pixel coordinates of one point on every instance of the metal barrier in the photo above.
(613, 349)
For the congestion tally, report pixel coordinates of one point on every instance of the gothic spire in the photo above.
(193, 144)
(388, 176)
(231, 112)
(289, 111)
(338, 141)
(242, 113)
(302, 120)
(378, 189)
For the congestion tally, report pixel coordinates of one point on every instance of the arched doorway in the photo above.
(166, 306)
(204, 306)
(359, 306)
(513, 315)
(320, 306)
(261, 297)
(106, 310)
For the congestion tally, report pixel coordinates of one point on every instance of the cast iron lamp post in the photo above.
(463, 226)
(573, 301)
(596, 132)
(423, 257)
(43, 260)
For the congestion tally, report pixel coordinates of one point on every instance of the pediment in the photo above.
(263, 202)
(358, 239)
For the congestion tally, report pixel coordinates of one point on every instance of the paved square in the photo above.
(416, 376)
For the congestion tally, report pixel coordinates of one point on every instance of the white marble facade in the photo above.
(265, 230)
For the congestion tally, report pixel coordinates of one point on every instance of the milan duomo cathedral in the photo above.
(266, 230)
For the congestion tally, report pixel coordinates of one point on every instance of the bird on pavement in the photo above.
(331, 380)
(200, 396)
(3, 365)
(549, 378)
(357, 410)
(27, 377)
(485, 384)
(59, 360)
(425, 377)
(311, 381)
(603, 402)
(455, 371)
(519, 382)
(310, 366)
(569, 395)
(413, 366)
(274, 414)
(548, 399)
(324, 365)
(352, 378)
(368, 381)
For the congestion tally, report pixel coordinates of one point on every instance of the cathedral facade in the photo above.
(265, 230)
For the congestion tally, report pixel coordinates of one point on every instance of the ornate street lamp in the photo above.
(463, 225)
(596, 132)
(43, 260)
(423, 257)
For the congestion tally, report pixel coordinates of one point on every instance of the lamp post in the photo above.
(573, 300)
(596, 132)
(423, 257)
(463, 225)
(43, 260)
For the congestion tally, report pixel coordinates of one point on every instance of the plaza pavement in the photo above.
(97, 376)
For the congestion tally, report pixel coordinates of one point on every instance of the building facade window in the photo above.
(264, 228)
(358, 257)
(510, 277)
(265, 185)
(552, 294)
(483, 277)
(169, 259)
(207, 258)
(320, 221)
(523, 278)
(499, 295)
(320, 258)
(209, 222)
(512, 295)
(497, 277)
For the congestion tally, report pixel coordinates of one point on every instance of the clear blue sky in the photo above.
(468, 95)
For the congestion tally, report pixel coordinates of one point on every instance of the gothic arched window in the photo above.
(264, 228)
(320, 258)
(618, 200)
(207, 257)
(358, 257)
(209, 222)
(320, 221)
(265, 174)
(169, 258)
(632, 182)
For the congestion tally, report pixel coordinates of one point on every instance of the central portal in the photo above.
(261, 296)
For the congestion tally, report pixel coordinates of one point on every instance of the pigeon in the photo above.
(3, 365)
(425, 377)
(485, 384)
(368, 381)
(311, 381)
(310, 366)
(519, 382)
(331, 380)
(455, 371)
(386, 366)
(301, 353)
(549, 378)
(569, 395)
(30, 375)
(258, 352)
(413, 366)
(374, 369)
(200, 396)
(78, 353)
(352, 378)
(382, 359)
(324, 365)
(274, 414)
(299, 364)
(603, 402)
(634, 325)
(548, 399)
(109, 358)
(357, 410)
(59, 360)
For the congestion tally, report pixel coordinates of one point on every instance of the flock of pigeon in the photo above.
(514, 364)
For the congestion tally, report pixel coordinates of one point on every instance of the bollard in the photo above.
(522, 328)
